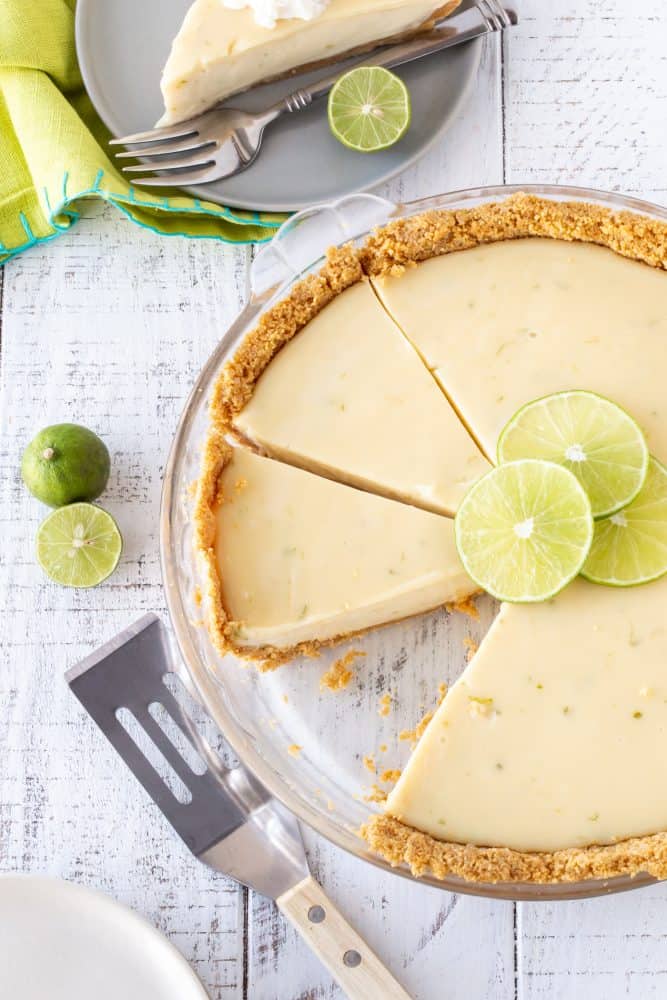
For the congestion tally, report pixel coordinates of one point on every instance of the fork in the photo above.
(224, 141)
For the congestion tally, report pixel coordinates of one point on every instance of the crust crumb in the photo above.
(466, 606)
(391, 775)
(339, 675)
(369, 763)
(414, 735)
(471, 647)
(385, 705)
(294, 749)
(376, 794)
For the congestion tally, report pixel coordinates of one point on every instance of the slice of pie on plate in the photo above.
(293, 560)
(220, 51)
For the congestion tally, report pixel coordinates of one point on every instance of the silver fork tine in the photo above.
(201, 176)
(190, 145)
(159, 134)
(173, 163)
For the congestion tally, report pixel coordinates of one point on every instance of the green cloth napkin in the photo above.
(52, 144)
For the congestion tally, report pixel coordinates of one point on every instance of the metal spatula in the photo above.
(226, 817)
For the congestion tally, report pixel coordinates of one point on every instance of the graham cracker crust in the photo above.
(405, 242)
(399, 844)
(223, 629)
(276, 327)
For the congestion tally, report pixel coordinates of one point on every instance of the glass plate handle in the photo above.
(303, 239)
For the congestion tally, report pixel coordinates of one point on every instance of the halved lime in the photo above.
(79, 545)
(369, 109)
(524, 530)
(65, 463)
(589, 435)
(630, 547)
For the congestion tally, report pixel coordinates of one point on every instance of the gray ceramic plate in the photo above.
(123, 44)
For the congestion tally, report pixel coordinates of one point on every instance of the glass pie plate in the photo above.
(265, 717)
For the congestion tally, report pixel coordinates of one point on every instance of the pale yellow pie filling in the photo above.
(504, 323)
(303, 558)
(349, 397)
(555, 734)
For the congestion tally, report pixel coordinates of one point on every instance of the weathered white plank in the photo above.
(586, 94)
(107, 326)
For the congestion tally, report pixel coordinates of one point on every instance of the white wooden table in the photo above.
(108, 325)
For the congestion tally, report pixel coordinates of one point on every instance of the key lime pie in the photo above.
(347, 430)
(227, 46)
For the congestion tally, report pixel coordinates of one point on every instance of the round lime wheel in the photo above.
(630, 547)
(524, 530)
(79, 545)
(369, 109)
(589, 435)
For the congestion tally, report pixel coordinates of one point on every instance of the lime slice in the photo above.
(588, 434)
(369, 109)
(79, 545)
(630, 547)
(524, 530)
(65, 463)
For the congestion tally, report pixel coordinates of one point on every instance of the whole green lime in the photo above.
(65, 463)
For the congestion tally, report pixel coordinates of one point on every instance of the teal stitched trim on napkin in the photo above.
(52, 145)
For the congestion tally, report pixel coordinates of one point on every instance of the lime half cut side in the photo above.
(369, 109)
(524, 530)
(79, 545)
(630, 547)
(589, 435)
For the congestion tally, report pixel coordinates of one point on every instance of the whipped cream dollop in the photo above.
(267, 12)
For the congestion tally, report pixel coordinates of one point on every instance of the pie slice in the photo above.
(548, 742)
(349, 398)
(293, 560)
(220, 51)
(507, 322)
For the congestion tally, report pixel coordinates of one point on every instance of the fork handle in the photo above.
(396, 55)
(356, 969)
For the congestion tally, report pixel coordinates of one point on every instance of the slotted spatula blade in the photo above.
(224, 815)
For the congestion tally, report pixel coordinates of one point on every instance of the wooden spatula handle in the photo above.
(356, 968)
